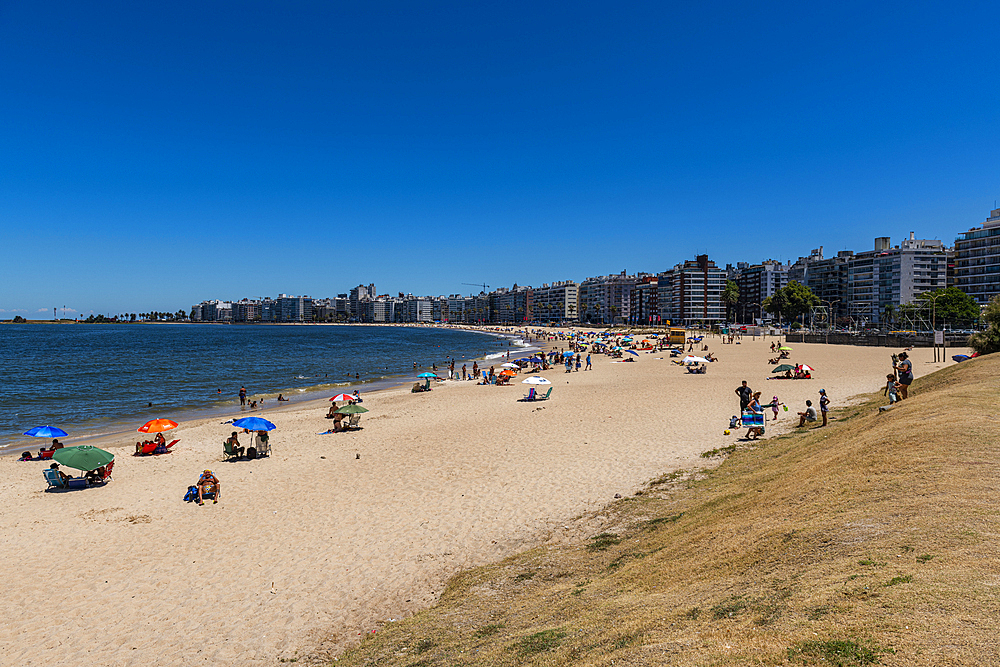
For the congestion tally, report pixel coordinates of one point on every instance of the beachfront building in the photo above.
(893, 275)
(557, 302)
(644, 302)
(977, 260)
(381, 309)
(196, 313)
(293, 308)
(325, 310)
(757, 282)
(358, 295)
(246, 310)
(417, 309)
(827, 278)
(691, 293)
(607, 299)
(458, 306)
(213, 311)
(509, 306)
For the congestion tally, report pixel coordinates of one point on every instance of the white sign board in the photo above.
(939, 338)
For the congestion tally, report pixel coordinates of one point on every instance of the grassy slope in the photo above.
(871, 540)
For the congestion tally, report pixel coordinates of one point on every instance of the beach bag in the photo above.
(191, 495)
(251, 453)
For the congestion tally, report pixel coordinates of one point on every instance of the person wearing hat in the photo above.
(905, 369)
(824, 404)
(63, 476)
(208, 483)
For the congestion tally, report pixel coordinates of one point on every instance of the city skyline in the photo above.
(153, 154)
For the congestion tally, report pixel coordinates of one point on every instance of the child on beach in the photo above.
(774, 407)
(891, 388)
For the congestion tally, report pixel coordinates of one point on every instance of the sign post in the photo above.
(939, 341)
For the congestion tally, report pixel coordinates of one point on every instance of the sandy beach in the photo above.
(335, 534)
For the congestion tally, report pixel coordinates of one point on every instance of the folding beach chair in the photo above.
(754, 422)
(53, 478)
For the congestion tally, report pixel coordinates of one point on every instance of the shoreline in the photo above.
(109, 435)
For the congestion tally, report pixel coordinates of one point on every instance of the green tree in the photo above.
(949, 306)
(730, 295)
(988, 341)
(791, 301)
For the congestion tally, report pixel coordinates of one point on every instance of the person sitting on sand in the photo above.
(209, 483)
(95, 476)
(159, 439)
(56, 444)
(338, 422)
(26, 456)
(281, 398)
(809, 415)
(357, 396)
(234, 442)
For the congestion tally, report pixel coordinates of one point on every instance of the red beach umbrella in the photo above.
(343, 397)
(157, 426)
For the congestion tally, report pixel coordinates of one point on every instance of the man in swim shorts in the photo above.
(208, 483)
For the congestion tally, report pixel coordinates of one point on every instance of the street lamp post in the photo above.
(934, 299)
(829, 304)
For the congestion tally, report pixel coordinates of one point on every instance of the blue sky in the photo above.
(154, 155)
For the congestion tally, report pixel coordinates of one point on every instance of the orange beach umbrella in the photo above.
(157, 426)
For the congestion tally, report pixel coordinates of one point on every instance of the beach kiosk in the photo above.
(678, 336)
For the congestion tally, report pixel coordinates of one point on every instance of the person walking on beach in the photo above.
(745, 393)
(243, 395)
(824, 404)
(774, 407)
(588, 363)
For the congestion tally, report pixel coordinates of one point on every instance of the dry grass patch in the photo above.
(870, 541)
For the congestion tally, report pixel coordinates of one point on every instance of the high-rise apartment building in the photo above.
(691, 293)
(557, 302)
(977, 260)
(757, 282)
(894, 275)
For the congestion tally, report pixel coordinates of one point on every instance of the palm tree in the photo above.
(730, 295)
(889, 314)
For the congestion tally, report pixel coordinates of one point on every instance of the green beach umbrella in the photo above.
(784, 348)
(351, 410)
(83, 457)
(782, 368)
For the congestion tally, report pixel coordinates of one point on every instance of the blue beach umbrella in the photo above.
(427, 375)
(46, 432)
(632, 352)
(568, 354)
(254, 424)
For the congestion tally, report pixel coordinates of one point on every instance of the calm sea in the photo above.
(101, 378)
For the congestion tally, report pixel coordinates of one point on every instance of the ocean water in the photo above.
(91, 379)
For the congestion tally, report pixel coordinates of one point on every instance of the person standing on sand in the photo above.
(745, 393)
(905, 370)
(589, 367)
(463, 372)
(824, 404)
(243, 395)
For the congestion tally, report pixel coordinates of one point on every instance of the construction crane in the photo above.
(486, 288)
